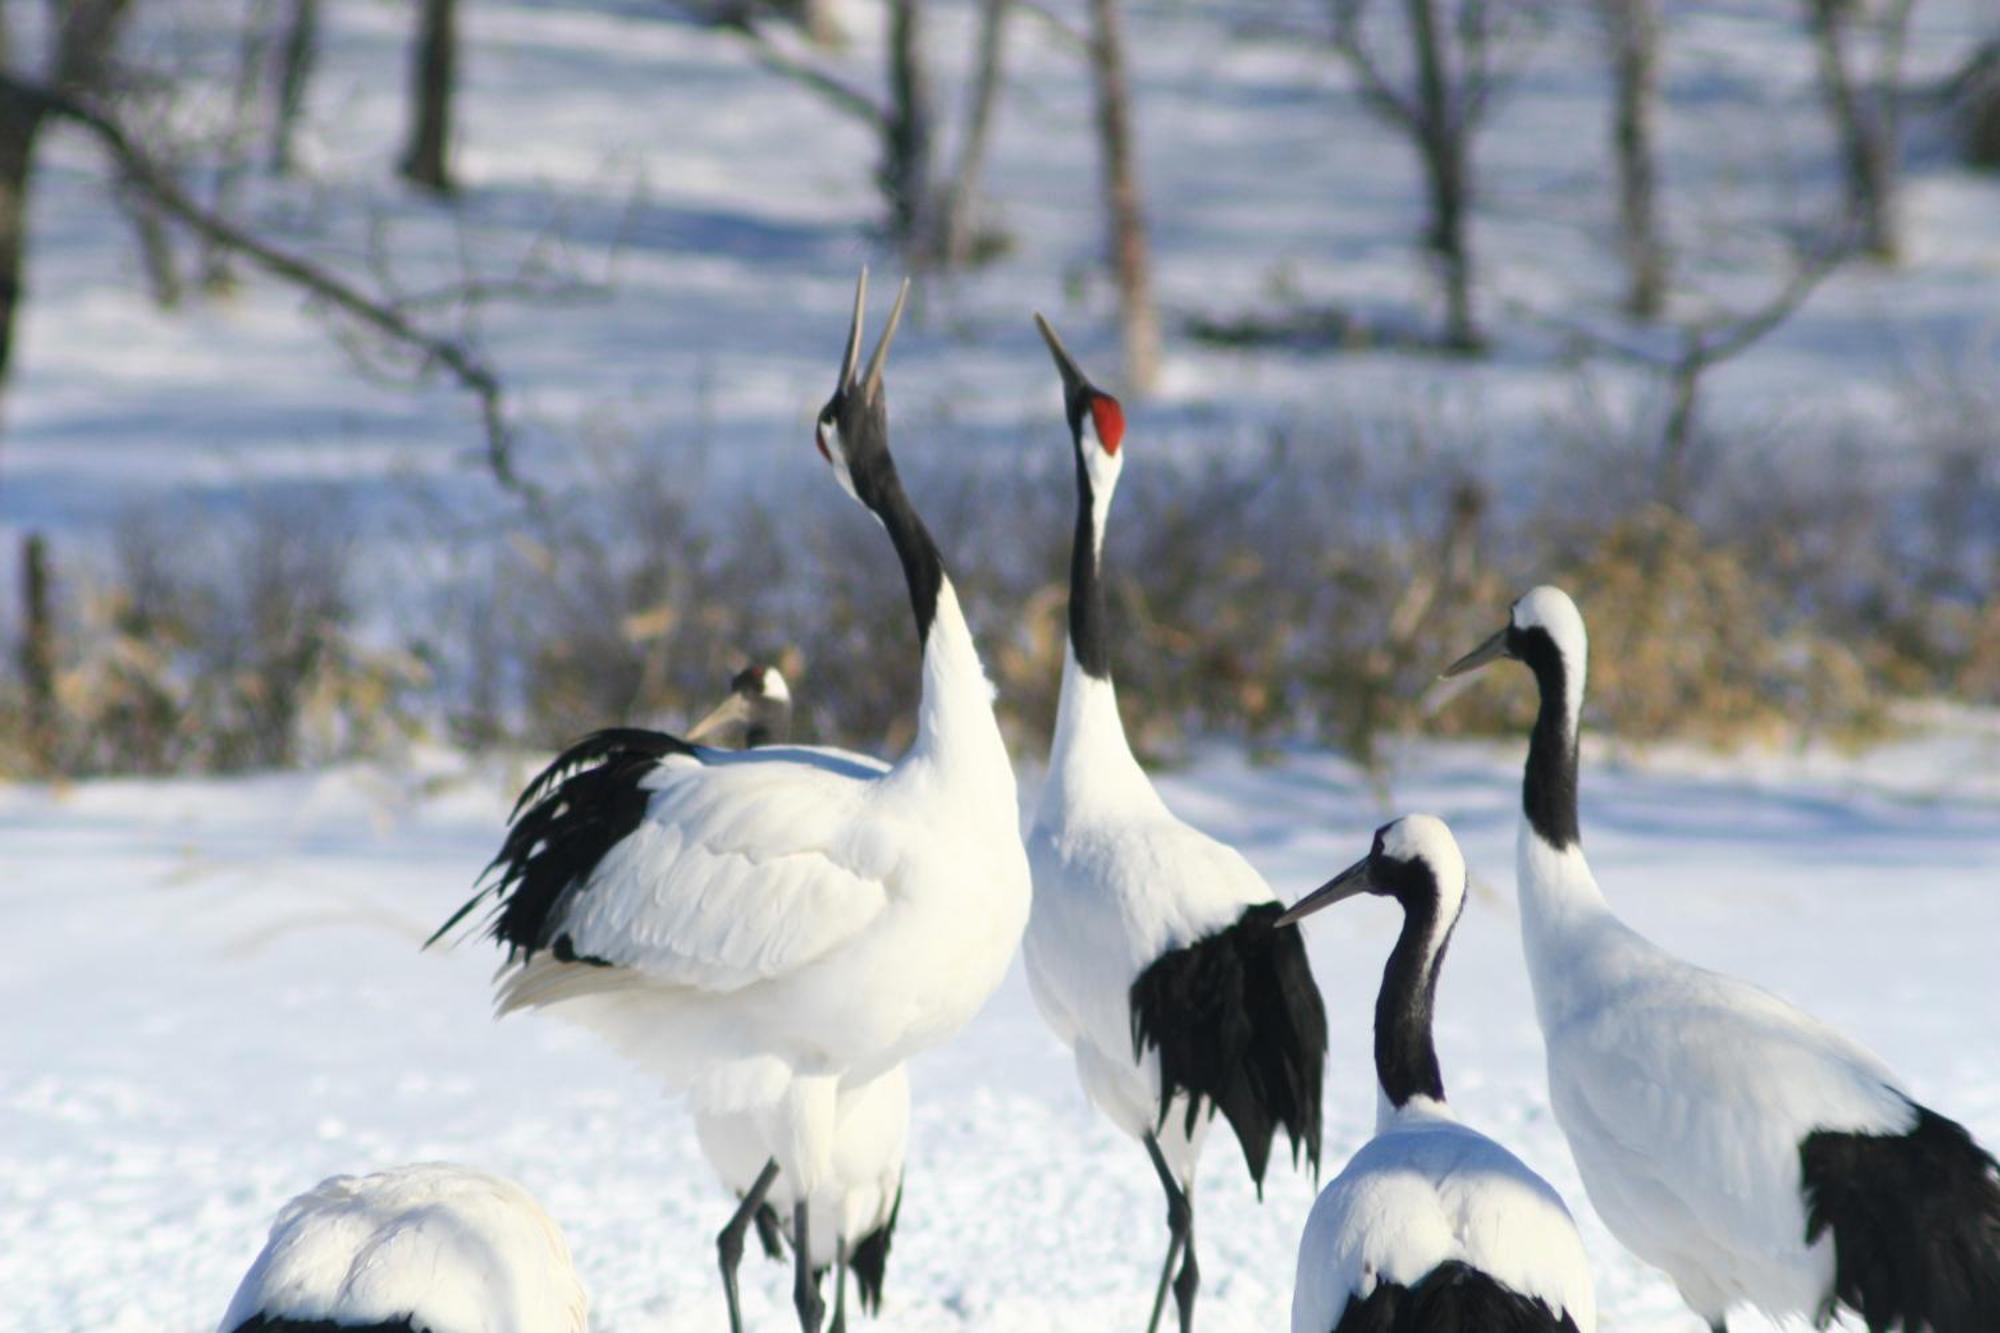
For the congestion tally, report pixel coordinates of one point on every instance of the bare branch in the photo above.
(139, 172)
(777, 60)
(1376, 89)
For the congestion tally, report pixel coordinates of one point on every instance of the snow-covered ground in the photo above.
(215, 997)
(213, 989)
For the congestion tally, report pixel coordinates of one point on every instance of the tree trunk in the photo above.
(19, 126)
(1442, 134)
(1864, 117)
(961, 200)
(1138, 324)
(1634, 31)
(906, 166)
(38, 654)
(296, 56)
(433, 73)
(1976, 101)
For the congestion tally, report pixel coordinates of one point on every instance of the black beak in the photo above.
(852, 379)
(1074, 381)
(1348, 883)
(1492, 650)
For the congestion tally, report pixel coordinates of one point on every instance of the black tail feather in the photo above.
(870, 1260)
(1239, 1026)
(567, 818)
(1454, 1297)
(1915, 1219)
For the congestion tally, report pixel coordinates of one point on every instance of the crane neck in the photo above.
(1560, 900)
(956, 729)
(1406, 1062)
(1548, 786)
(1090, 758)
(1089, 633)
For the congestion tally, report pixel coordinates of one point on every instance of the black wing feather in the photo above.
(573, 812)
(1454, 1297)
(1916, 1224)
(1239, 1026)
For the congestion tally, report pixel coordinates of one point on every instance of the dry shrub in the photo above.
(222, 648)
(1689, 639)
(1306, 590)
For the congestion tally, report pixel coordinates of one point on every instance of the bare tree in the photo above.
(907, 136)
(955, 241)
(1632, 31)
(1452, 79)
(433, 80)
(1697, 345)
(297, 54)
(1863, 103)
(1138, 322)
(391, 321)
(83, 34)
(1974, 95)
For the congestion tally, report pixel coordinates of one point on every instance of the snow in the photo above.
(710, 218)
(219, 998)
(214, 988)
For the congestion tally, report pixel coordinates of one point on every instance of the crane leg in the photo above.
(839, 1324)
(1180, 1246)
(768, 1234)
(805, 1291)
(729, 1242)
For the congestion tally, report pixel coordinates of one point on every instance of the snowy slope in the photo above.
(215, 998)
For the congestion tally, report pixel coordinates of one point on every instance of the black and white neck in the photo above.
(1090, 755)
(1549, 783)
(853, 435)
(1559, 896)
(1417, 862)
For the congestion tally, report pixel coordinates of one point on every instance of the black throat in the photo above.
(1406, 1062)
(881, 489)
(1548, 791)
(1087, 637)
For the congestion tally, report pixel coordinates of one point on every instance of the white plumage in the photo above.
(444, 1248)
(853, 1214)
(1431, 1224)
(1150, 950)
(762, 928)
(1747, 1149)
(859, 1197)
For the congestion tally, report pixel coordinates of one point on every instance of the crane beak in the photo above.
(1492, 650)
(1349, 883)
(1072, 377)
(730, 712)
(850, 358)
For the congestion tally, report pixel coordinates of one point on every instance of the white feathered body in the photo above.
(871, 1133)
(454, 1249)
(786, 918)
(1426, 1191)
(1685, 1095)
(1118, 881)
